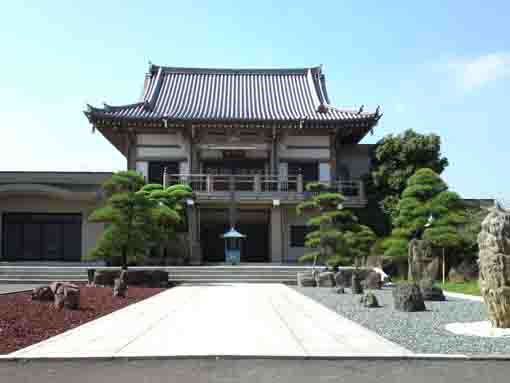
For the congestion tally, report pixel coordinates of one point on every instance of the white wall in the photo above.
(304, 147)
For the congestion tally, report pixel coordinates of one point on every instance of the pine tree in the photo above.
(339, 238)
(426, 195)
(137, 216)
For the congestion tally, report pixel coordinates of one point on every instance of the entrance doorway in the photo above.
(254, 224)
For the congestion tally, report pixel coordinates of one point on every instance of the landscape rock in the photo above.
(430, 291)
(67, 295)
(325, 279)
(343, 277)
(120, 285)
(494, 256)
(356, 286)
(373, 281)
(306, 279)
(43, 293)
(463, 272)
(339, 290)
(407, 297)
(369, 300)
(422, 262)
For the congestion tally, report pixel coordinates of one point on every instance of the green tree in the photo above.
(339, 239)
(395, 159)
(426, 195)
(137, 217)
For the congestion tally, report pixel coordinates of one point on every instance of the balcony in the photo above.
(261, 187)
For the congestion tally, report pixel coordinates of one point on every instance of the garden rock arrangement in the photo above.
(63, 294)
(147, 278)
(494, 255)
(325, 279)
(422, 263)
(373, 281)
(463, 272)
(343, 277)
(431, 292)
(407, 297)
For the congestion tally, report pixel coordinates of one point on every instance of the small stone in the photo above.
(325, 279)
(407, 297)
(306, 279)
(43, 293)
(338, 290)
(120, 285)
(430, 291)
(67, 295)
(369, 300)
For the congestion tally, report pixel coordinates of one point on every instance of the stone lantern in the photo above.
(233, 246)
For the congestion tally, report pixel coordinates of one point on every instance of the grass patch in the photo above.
(470, 288)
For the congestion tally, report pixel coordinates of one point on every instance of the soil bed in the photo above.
(24, 322)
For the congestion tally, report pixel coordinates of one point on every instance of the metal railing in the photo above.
(259, 183)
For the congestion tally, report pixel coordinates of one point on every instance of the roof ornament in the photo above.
(323, 108)
(377, 110)
(361, 109)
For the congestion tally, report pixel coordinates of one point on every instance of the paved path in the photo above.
(14, 288)
(237, 320)
(254, 370)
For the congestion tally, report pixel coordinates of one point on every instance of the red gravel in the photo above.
(24, 322)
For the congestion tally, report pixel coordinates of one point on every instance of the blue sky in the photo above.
(435, 66)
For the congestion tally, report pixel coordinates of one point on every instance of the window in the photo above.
(298, 235)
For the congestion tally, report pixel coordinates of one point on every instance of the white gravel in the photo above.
(483, 329)
(421, 332)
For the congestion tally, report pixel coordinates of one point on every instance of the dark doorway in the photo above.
(255, 248)
(309, 170)
(156, 169)
(41, 237)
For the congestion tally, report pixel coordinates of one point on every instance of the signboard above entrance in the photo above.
(233, 154)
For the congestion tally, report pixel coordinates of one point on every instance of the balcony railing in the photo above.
(260, 185)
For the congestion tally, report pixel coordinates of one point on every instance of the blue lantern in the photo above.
(233, 246)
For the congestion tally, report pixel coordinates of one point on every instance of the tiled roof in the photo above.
(247, 95)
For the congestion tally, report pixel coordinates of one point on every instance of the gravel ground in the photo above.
(420, 332)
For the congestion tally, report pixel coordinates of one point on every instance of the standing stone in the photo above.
(422, 263)
(356, 286)
(373, 281)
(494, 255)
(43, 293)
(325, 279)
(120, 285)
(430, 291)
(407, 297)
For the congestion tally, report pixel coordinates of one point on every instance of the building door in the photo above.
(156, 169)
(41, 237)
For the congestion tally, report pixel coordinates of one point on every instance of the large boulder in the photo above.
(356, 285)
(66, 295)
(325, 279)
(306, 279)
(423, 264)
(431, 292)
(407, 297)
(494, 256)
(373, 281)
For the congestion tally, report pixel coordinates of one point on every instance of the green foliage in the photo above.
(426, 194)
(338, 239)
(139, 217)
(396, 158)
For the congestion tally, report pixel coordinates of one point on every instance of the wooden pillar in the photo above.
(333, 157)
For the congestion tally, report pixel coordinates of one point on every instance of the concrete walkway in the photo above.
(16, 288)
(222, 320)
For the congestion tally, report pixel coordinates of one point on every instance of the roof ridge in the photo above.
(247, 70)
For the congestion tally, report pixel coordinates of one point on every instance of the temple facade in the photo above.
(247, 141)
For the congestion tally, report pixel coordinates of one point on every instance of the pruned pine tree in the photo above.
(338, 238)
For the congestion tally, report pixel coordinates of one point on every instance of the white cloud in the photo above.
(478, 71)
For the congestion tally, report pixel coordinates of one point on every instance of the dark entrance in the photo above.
(41, 237)
(255, 248)
(156, 169)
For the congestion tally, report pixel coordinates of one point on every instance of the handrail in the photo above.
(259, 183)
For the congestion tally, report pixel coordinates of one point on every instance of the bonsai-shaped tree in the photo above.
(136, 218)
(339, 238)
(426, 195)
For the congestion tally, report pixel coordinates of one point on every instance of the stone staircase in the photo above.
(45, 273)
